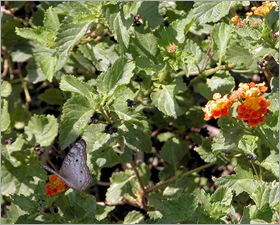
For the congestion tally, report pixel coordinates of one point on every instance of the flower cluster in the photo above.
(252, 109)
(264, 9)
(55, 186)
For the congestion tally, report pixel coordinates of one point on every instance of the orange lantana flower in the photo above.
(55, 186)
(253, 110)
(264, 9)
(217, 107)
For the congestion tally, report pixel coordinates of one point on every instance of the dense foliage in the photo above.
(160, 91)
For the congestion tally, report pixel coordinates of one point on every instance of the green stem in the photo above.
(181, 175)
(255, 170)
(260, 159)
(105, 115)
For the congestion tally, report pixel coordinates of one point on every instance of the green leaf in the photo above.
(243, 180)
(68, 34)
(46, 60)
(6, 88)
(5, 116)
(52, 96)
(150, 13)
(42, 129)
(75, 115)
(229, 137)
(20, 180)
(174, 210)
(173, 151)
(254, 215)
(134, 217)
(135, 139)
(101, 55)
(206, 12)
(248, 32)
(222, 83)
(117, 25)
(119, 74)
(144, 173)
(221, 35)
(103, 211)
(39, 35)
(271, 163)
(73, 84)
(267, 193)
(80, 207)
(165, 100)
(205, 151)
(145, 44)
(25, 203)
(240, 56)
(13, 152)
(120, 186)
(51, 21)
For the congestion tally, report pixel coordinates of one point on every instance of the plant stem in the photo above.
(143, 200)
(105, 115)
(213, 70)
(183, 175)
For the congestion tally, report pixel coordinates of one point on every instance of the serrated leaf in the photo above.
(42, 129)
(248, 32)
(52, 96)
(150, 12)
(39, 35)
(120, 185)
(174, 211)
(73, 84)
(134, 217)
(266, 193)
(103, 211)
(145, 44)
(119, 74)
(101, 55)
(173, 151)
(243, 180)
(20, 180)
(221, 35)
(51, 21)
(67, 36)
(25, 203)
(120, 30)
(6, 88)
(135, 139)
(46, 60)
(205, 151)
(9, 151)
(164, 99)
(75, 115)
(5, 116)
(271, 163)
(240, 56)
(222, 83)
(206, 12)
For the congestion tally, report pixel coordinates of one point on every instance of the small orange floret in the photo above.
(218, 107)
(55, 186)
(253, 110)
(264, 9)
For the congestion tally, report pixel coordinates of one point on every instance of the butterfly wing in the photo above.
(74, 168)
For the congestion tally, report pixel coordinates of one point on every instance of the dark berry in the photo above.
(131, 103)
(186, 80)
(115, 130)
(138, 79)
(204, 132)
(137, 23)
(229, 217)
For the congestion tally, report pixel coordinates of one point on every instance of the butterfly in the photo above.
(74, 170)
